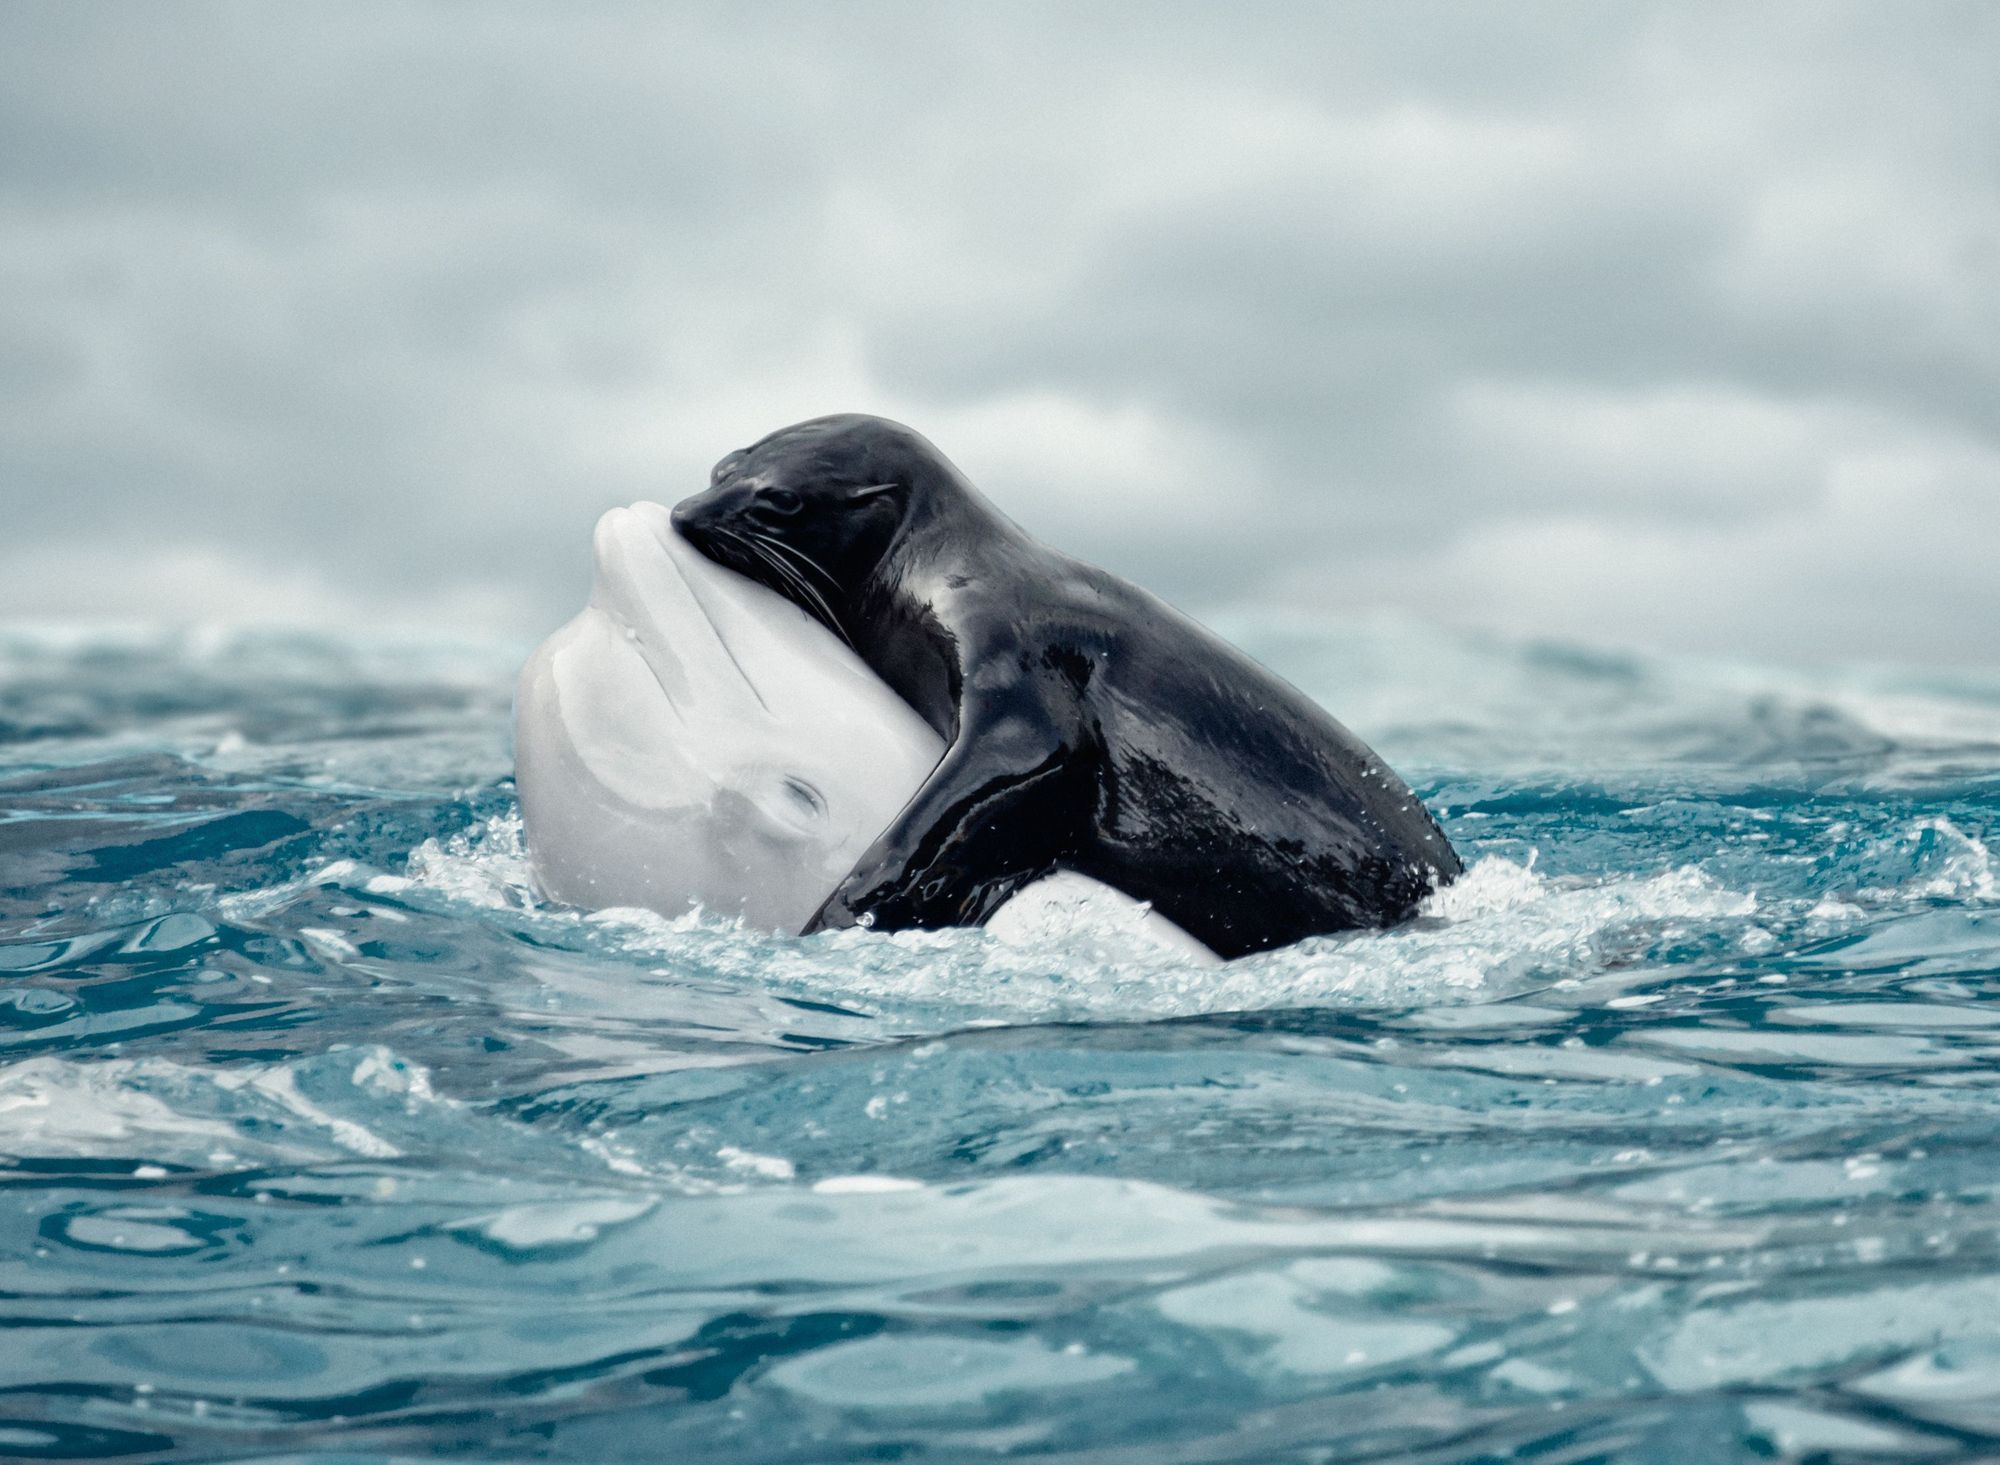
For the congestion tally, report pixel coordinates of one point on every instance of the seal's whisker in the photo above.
(800, 556)
(780, 568)
(786, 574)
(770, 548)
(761, 547)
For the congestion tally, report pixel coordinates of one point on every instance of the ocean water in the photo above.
(1672, 1133)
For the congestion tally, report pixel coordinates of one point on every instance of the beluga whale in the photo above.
(694, 739)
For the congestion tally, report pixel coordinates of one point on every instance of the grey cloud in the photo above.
(1330, 303)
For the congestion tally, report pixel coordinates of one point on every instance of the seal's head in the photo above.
(812, 510)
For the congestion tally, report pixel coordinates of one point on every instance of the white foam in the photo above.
(1963, 866)
(268, 900)
(1490, 886)
(1501, 926)
(52, 1107)
(748, 1162)
(1067, 908)
(486, 865)
(166, 1110)
(282, 1085)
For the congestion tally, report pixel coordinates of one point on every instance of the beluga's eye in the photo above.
(782, 501)
(805, 796)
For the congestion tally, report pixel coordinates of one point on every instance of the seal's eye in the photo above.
(781, 501)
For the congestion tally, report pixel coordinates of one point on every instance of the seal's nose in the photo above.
(696, 516)
(700, 510)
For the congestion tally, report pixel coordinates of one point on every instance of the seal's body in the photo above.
(1089, 726)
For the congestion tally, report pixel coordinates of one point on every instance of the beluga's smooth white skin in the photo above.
(692, 739)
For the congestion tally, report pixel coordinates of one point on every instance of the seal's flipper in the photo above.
(974, 834)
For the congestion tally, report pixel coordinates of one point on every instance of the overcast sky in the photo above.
(1671, 325)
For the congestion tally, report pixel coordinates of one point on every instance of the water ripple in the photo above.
(1669, 1133)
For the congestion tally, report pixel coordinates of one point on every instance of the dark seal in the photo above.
(1089, 726)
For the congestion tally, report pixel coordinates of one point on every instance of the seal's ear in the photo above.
(869, 491)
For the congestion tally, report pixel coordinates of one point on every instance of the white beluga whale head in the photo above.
(693, 739)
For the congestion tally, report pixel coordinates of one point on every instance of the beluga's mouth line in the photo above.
(694, 587)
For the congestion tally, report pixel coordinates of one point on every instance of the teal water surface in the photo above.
(1671, 1133)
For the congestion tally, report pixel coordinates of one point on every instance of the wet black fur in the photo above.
(1089, 725)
